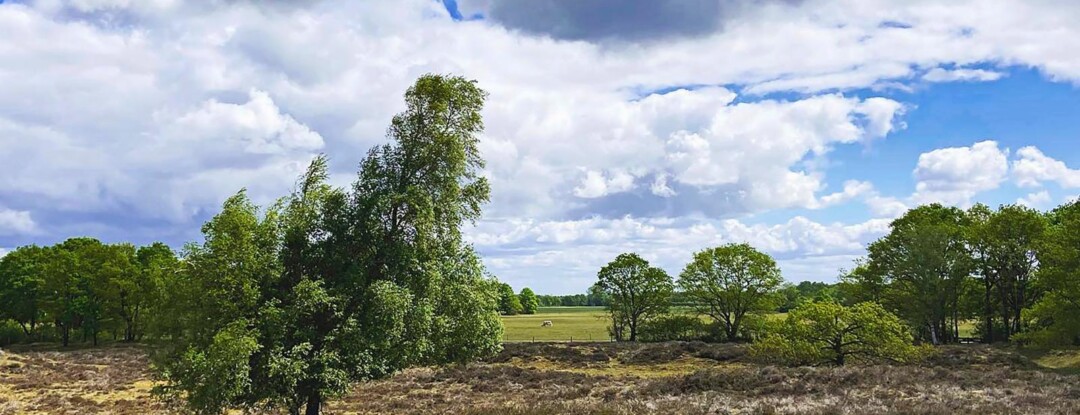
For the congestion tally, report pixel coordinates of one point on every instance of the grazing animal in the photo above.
(546, 323)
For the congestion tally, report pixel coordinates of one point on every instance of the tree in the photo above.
(827, 332)
(529, 303)
(730, 281)
(509, 303)
(330, 287)
(922, 264)
(21, 287)
(142, 292)
(1055, 316)
(637, 293)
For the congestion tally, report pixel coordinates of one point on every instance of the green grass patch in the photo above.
(576, 323)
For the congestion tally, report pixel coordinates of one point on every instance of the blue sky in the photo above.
(660, 127)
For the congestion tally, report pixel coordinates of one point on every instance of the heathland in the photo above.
(595, 378)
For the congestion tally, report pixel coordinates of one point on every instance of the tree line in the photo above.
(1014, 271)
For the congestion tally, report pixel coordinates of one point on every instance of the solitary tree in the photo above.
(827, 332)
(730, 281)
(529, 302)
(637, 292)
(328, 287)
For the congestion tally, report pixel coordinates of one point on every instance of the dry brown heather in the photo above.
(690, 378)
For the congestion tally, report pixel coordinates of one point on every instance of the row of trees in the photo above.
(525, 302)
(1015, 270)
(86, 287)
(287, 305)
(729, 284)
(594, 298)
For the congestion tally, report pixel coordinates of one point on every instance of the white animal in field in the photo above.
(546, 323)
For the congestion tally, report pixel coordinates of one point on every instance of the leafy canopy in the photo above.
(827, 332)
(287, 307)
(636, 293)
(730, 281)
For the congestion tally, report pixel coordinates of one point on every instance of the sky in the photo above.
(658, 127)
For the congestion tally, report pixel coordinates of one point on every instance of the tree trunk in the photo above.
(66, 334)
(313, 404)
(988, 311)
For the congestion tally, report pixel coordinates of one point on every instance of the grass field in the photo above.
(576, 323)
(567, 323)
(589, 324)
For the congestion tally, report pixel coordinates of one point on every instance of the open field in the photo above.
(577, 323)
(588, 324)
(598, 378)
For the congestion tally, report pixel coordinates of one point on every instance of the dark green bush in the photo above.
(10, 332)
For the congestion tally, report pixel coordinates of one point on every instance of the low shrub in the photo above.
(10, 332)
(674, 328)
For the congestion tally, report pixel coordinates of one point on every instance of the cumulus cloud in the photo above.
(140, 116)
(1032, 168)
(1037, 200)
(15, 222)
(605, 19)
(520, 250)
(852, 189)
(953, 75)
(954, 175)
(596, 184)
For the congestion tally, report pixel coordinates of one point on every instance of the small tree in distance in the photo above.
(529, 302)
(730, 281)
(637, 292)
(827, 332)
(509, 303)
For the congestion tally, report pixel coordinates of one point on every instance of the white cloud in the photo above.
(153, 111)
(596, 184)
(4, 252)
(954, 175)
(946, 75)
(886, 207)
(660, 187)
(16, 222)
(1035, 200)
(1032, 168)
(521, 250)
(852, 189)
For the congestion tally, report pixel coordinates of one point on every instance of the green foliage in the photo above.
(919, 269)
(509, 303)
(637, 291)
(329, 287)
(792, 295)
(1055, 316)
(529, 302)
(1004, 247)
(674, 327)
(21, 287)
(827, 332)
(729, 282)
